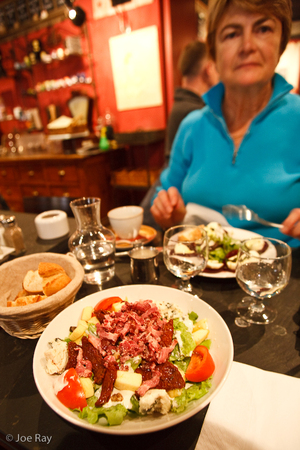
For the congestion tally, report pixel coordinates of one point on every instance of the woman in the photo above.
(239, 149)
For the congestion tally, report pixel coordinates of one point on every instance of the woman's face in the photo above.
(247, 48)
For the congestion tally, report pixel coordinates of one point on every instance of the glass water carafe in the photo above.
(91, 243)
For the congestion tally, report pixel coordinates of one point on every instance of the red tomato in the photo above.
(107, 303)
(201, 365)
(72, 395)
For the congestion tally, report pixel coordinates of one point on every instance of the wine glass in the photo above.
(263, 271)
(185, 250)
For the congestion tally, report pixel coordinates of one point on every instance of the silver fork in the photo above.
(241, 212)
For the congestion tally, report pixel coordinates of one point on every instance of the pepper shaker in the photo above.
(13, 234)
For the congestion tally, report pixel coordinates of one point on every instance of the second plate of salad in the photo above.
(227, 239)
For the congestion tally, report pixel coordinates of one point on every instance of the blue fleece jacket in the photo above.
(265, 172)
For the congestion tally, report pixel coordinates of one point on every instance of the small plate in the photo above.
(236, 233)
(146, 235)
(5, 252)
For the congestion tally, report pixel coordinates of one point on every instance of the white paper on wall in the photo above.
(136, 69)
(289, 64)
(104, 8)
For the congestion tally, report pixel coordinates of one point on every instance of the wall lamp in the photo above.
(76, 14)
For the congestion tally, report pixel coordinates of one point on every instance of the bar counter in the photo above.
(26, 418)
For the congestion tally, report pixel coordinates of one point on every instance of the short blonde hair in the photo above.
(281, 9)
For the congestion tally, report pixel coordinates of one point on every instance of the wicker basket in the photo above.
(28, 322)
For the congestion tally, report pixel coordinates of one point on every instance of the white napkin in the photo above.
(198, 214)
(255, 410)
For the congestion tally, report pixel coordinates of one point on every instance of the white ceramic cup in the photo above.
(126, 221)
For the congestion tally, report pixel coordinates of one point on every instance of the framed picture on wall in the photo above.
(136, 69)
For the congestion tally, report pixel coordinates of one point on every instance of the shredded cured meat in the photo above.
(83, 366)
(136, 330)
(107, 385)
(92, 354)
(170, 377)
(72, 355)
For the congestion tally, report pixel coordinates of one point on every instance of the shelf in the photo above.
(22, 27)
(67, 136)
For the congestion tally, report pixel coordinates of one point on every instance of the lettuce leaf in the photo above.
(193, 316)
(114, 414)
(194, 392)
(188, 343)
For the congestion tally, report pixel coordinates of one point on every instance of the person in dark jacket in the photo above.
(198, 75)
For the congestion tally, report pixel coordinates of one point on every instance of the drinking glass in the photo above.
(185, 250)
(263, 271)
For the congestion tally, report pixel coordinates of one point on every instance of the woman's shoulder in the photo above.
(196, 116)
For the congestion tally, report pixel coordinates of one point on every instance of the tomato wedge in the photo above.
(72, 395)
(201, 365)
(107, 303)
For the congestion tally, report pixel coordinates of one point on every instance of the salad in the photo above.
(223, 248)
(129, 359)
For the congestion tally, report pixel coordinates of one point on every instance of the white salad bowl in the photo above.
(221, 351)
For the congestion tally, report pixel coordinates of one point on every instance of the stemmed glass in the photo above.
(185, 250)
(263, 271)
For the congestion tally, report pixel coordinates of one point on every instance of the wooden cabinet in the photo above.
(59, 175)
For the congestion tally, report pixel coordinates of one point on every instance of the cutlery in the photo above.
(241, 212)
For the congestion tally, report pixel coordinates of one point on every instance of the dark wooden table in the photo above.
(24, 416)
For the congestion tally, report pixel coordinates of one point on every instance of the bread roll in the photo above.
(47, 280)
(32, 282)
(28, 300)
(190, 235)
(55, 283)
(48, 269)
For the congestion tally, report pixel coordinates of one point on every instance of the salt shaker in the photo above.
(13, 234)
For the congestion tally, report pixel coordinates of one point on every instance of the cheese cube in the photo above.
(93, 320)
(201, 324)
(129, 381)
(117, 306)
(87, 313)
(88, 386)
(79, 330)
(200, 335)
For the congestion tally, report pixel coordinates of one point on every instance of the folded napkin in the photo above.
(256, 410)
(197, 215)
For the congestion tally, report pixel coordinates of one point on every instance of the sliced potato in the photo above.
(130, 381)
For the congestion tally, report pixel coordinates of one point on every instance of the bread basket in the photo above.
(28, 322)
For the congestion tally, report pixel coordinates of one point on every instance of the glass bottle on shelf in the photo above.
(92, 244)
(108, 122)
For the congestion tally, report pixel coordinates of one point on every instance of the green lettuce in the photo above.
(194, 392)
(114, 414)
(193, 316)
(188, 343)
